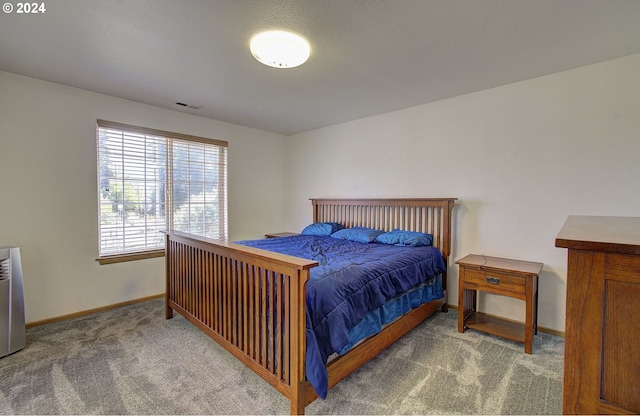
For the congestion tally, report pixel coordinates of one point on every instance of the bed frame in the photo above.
(252, 301)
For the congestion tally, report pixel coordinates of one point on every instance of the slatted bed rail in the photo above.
(250, 303)
(253, 302)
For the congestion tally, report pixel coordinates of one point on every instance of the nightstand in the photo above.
(285, 234)
(514, 278)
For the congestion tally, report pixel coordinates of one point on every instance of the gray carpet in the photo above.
(132, 361)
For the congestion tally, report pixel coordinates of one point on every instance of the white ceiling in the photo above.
(368, 56)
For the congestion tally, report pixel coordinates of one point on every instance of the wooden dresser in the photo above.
(602, 332)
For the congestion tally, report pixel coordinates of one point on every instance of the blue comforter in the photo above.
(351, 279)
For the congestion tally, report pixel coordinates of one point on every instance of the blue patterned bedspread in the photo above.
(351, 279)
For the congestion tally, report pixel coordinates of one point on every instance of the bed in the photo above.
(253, 301)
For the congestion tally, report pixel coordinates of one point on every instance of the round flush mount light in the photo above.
(280, 49)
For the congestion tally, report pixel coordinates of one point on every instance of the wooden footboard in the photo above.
(252, 302)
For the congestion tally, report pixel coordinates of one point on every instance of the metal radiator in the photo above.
(12, 329)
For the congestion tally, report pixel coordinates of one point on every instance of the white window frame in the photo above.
(148, 181)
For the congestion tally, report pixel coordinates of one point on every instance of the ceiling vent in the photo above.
(194, 107)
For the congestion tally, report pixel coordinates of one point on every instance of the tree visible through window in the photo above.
(151, 180)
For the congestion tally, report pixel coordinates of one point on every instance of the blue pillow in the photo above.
(322, 229)
(405, 238)
(336, 226)
(359, 234)
(318, 229)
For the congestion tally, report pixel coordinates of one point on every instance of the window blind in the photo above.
(152, 180)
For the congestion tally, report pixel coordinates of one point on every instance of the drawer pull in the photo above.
(493, 280)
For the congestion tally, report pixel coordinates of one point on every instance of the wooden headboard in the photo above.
(427, 215)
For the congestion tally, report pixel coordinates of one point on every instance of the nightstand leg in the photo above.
(535, 308)
(466, 305)
(466, 301)
(471, 300)
(528, 325)
(461, 312)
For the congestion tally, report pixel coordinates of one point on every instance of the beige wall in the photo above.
(519, 157)
(49, 202)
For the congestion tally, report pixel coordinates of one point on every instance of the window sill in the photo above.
(120, 258)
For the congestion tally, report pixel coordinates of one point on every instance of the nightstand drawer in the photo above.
(496, 282)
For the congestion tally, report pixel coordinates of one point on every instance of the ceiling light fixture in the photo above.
(280, 49)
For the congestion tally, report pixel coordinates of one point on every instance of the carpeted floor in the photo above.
(132, 361)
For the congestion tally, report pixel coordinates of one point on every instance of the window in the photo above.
(152, 180)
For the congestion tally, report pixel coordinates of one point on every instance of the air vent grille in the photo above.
(5, 269)
(194, 107)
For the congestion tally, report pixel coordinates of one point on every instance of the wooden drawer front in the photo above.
(496, 282)
(622, 267)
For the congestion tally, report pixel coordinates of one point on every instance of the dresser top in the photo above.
(599, 233)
